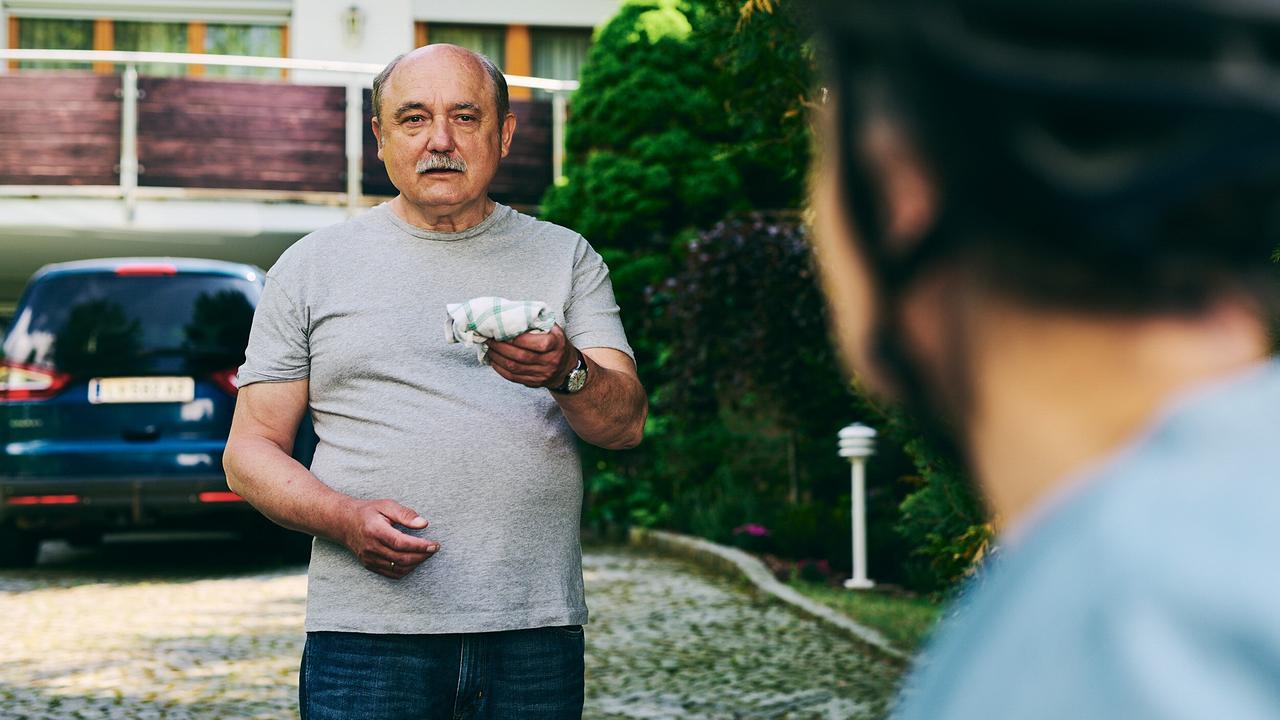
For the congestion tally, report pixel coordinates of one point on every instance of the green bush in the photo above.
(643, 158)
(690, 113)
(942, 519)
(688, 109)
(765, 78)
(754, 397)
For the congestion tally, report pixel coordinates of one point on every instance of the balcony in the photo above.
(102, 165)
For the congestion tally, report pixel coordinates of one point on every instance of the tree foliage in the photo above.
(687, 110)
(749, 326)
(942, 520)
(766, 73)
(642, 151)
(691, 114)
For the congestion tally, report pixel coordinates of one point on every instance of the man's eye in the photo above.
(467, 118)
(414, 119)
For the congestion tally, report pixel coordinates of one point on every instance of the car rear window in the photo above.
(113, 325)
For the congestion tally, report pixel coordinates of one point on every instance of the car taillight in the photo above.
(227, 380)
(219, 497)
(146, 269)
(23, 382)
(42, 500)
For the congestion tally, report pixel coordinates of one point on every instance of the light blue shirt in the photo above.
(1150, 590)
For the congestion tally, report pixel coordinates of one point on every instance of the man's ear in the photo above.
(377, 134)
(508, 131)
(908, 192)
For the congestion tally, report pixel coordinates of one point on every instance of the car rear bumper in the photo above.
(52, 505)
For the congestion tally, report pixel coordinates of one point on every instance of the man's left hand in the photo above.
(534, 359)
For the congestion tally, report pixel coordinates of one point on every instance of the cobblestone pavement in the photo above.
(197, 629)
(666, 641)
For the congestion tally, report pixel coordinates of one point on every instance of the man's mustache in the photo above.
(441, 161)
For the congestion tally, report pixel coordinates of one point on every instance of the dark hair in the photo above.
(501, 97)
(1087, 154)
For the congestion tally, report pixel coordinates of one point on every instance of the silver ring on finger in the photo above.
(393, 564)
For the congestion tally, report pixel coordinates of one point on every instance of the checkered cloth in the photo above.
(479, 320)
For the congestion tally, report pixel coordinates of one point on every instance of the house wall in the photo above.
(319, 33)
(195, 14)
(47, 229)
(316, 29)
(266, 12)
(561, 13)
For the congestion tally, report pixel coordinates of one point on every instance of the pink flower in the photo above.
(751, 529)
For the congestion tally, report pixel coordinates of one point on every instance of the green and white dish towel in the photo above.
(481, 319)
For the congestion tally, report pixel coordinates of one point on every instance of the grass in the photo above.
(904, 620)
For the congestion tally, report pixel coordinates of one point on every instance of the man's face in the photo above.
(438, 109)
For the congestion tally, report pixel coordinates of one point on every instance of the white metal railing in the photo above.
(333, 66)
(358, 77)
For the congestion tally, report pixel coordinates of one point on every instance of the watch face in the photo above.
(577, 379)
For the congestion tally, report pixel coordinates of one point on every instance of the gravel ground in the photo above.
(197, 629)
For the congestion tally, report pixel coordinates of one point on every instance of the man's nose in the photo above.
(441, 139)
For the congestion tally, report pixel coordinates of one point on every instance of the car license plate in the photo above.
(142, 390)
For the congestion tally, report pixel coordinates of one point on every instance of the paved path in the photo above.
(198, 630)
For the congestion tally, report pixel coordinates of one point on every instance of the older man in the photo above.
(480, 614)
(1050, 225)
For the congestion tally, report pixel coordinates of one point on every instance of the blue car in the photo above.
(117, 388)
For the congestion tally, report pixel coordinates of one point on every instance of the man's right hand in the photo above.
(373, 538)
(260, 469)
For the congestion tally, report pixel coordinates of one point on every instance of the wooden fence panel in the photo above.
(59, 129)
(525, 172)
(64, 129)
(523, 175)
(373, 174)
(221, 134)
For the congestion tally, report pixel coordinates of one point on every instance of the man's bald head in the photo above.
(501, 99)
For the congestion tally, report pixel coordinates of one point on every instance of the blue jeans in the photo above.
(532, 674)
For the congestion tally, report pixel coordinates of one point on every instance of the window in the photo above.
(256, 40)
(212, 38)
(54, 34)
(559, 54)
(108, 324)
(152, 37)
(488, 40)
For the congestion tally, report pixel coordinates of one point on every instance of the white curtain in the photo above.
(152, 37)
(558, 54)
(255, 40)
(488, 40)
(54, 34)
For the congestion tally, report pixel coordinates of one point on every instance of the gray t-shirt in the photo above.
(359, 308)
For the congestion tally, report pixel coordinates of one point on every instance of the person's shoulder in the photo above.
(1185, 518)
(1207, 473)
(1078, 588)
(1171, 514)
(545, 232)
(1167, 543)
(322, 246)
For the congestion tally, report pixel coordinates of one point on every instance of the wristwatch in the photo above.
(576, 379)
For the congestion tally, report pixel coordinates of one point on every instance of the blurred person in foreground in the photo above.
(1047, 227)
(481, 614)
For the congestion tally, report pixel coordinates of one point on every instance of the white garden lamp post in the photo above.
(857, 442)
